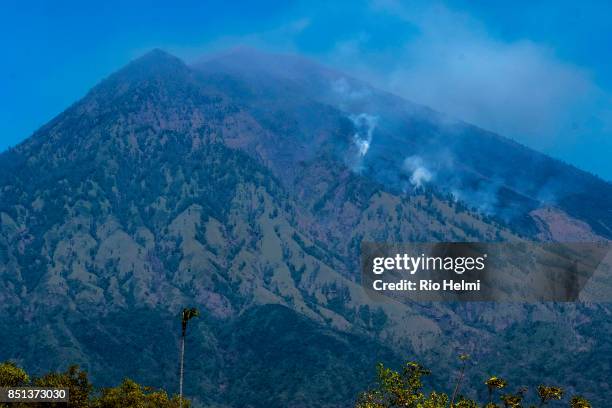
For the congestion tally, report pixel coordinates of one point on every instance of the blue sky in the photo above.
(539, 72)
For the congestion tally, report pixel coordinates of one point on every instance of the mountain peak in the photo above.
(156, 61)
(158, 55)
(155, 64)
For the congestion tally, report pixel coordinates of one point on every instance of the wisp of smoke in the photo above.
(342, 88)
(362, 138)
(419, 174)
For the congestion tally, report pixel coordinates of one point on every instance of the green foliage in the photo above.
(549, 393)
(579, 402)
(131, 394)
(401, 389)
(12, 376)
(512, 400)
(79, 387)
(128, 394)
(405, 389)
(465, 403)
(494, 383)
(188, 314)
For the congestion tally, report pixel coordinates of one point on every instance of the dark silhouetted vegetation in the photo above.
(405, 389)
(82, 393)
(188, 314)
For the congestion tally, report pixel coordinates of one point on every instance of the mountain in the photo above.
(244, 185)
(409, 143)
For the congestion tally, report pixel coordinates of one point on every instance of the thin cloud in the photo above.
(519, 89)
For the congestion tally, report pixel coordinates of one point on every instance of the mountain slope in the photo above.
(496, 175)
(236, 191)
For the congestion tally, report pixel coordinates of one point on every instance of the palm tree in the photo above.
(464, 358)
(188, 314)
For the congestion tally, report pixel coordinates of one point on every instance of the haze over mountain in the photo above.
(244, 185)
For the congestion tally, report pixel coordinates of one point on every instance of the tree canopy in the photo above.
(82, 394)
(404, 388)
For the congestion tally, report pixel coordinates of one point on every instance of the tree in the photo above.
(132, 395)
(464, 358)
(579, 402)
(494, 383)
(128, 394)
(404, 389)
(549, 393)
(188, 314)
(75, 380)
(12, 376)
(401, 389)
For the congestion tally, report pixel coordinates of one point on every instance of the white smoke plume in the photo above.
(419, 174)
(365, 125)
